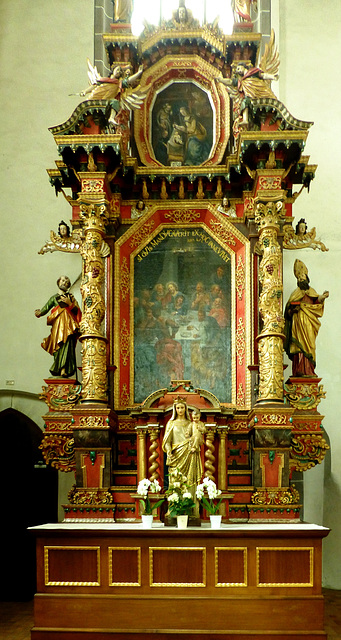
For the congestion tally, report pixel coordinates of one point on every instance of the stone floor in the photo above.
(16, 618)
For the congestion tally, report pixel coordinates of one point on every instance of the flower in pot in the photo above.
(180, 501)
(144, 487)
(208, 494)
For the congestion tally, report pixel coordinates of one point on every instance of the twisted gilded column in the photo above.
(94, 386)
(209, 452)
(270, 339)
(153, 469)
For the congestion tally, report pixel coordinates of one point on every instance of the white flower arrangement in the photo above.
(179, 499)
(143, 488)
(209, 488)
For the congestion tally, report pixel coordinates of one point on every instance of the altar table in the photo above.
(98, 581)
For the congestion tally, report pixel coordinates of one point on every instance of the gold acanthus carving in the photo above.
(94, 369)
(58, 451)
(304, 396)
(91, 497)
(124, 342)
(61, 397)
(270, 350)
(275, 496)
(125, 398)
(94, 217)
(307, 450)
(274, 418)
(93, 186)
(240, 341)
(240, 277)
(270, 182)
(223, 233)
(308, 426)
(142, 234)
(126, 425)
(56, 427)
(238, 426)
(240, 395)
(270, 276)
(91, 422)
(270, 341)
(124, 279)
(182, 216)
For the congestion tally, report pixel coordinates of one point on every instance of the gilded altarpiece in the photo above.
(192, 267)
(183, 184)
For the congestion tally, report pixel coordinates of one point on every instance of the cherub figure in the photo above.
(301, 238)
(117, 89)
(139, 210)
(227, 209)
(248, 84)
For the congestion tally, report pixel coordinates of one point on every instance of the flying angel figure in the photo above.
(118, 89)
(250, 84)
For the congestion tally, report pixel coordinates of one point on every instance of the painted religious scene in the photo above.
(182, 125)
(182, 314)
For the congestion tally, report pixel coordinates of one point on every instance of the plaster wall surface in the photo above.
(309, 36)
(43, 53)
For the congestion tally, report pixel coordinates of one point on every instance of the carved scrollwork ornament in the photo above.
(94, 369)
(270, 349)
(304, 396)
(307, 450)
(275, 496)
(270, 341)
(269, 213)
(86, 497)
(58, 451)
(61, 397)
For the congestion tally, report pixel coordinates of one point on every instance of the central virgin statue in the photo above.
(182, 444)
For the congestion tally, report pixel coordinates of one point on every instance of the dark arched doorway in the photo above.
(28, 497)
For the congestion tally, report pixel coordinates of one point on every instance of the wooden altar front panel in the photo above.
(101, 581)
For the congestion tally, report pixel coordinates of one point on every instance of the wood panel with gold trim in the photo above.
(237, 582)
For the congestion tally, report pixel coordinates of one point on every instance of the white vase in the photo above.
(182, 522)
(215, 521)
(147, 521)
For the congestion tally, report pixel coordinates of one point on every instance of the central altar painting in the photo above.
(183, 305)
(182, 314)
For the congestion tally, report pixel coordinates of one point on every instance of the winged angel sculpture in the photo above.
(252, 83)
(119, 90)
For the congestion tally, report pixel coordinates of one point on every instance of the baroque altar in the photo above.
(182, 183)
(181, 169)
